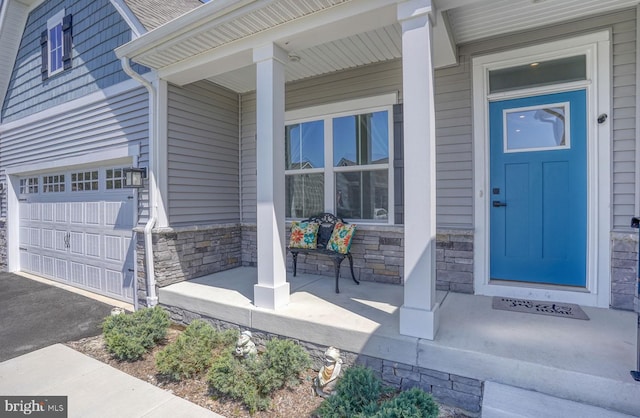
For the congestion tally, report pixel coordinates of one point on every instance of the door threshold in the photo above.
(540, 286)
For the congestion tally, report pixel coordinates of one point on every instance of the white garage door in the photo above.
(76, 228)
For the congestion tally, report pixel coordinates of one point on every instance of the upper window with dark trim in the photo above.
(56, 43)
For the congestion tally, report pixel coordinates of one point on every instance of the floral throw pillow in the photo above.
(340, 241)
(303, 235)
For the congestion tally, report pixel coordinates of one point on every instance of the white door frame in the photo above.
(596, 47)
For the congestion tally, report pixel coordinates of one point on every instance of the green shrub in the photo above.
(225, 338)
(281, 365)
(413, 403)
(254, 379)
(357, 392)
(190, 354)
(129, 336)
(237, 379)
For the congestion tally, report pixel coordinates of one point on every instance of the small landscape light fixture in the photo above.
(133, 177)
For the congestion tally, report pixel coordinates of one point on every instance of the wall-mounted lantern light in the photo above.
(133, 177)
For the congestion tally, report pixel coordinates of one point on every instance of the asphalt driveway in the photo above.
(34, 315)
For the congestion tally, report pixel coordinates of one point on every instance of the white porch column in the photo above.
(419, 313)
(272, 290)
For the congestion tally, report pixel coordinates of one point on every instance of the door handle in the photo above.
(67, 239)
(497, 204)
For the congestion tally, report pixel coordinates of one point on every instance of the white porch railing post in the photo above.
(272, 290)
(419, 313)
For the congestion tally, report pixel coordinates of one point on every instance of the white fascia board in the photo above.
(201, 18)
(453, 4)
(12, 15)
(337, 22)
(137, 29)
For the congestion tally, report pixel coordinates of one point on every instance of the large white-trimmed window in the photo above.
(340, 162)
(56, 45)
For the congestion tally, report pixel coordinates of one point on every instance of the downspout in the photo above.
(152, 298)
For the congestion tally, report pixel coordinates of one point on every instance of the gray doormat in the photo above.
(564, 310)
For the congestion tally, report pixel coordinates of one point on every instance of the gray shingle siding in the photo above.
(97, 30)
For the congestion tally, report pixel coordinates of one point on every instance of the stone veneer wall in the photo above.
(449, 389)
(3, 244)
(378, 255)
(249, 245)
(454, 260)
(624, 270)
(186, 253)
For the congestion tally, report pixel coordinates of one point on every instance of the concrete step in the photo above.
(502, 401)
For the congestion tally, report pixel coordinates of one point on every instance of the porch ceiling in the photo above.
(365, 48)
(215, 41)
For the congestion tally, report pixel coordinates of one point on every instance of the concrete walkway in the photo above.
(94, 389)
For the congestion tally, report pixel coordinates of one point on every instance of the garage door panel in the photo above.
(48, 266)
(34, 237)
(35, 212)
(92, 248)
(61, 213)
(61, 240)
(94, 277)
(114, 282)
(92, 213)
(24, 236)
(48, 238)
(76, 212)
(77, 273)
(25, 211)
(118, 215)
(62, 270)
(76, 243)
(34, 263)
(48, 212)
(113, 248)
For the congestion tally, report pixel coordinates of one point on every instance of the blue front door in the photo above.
(538, 189)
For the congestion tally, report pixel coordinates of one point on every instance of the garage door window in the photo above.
(29, 185)
(84, 181)
(53, 184)
(115, 178)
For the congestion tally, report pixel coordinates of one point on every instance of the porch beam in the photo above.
(272, 290)
(419, 313)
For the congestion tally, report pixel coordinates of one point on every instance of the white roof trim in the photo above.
(13, 17)
(137, 29)
(214, 12)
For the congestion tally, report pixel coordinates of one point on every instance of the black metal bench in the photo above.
(327, 222)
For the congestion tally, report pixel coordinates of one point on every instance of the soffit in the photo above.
(378, 45)
(485, 19)
(263, 16)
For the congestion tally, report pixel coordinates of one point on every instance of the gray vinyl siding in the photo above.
(454, 158)
(203, 155)
(454, 99)
(97, 30)
(116, 121)
(248, 168)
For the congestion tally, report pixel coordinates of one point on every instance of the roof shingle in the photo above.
(154, 13)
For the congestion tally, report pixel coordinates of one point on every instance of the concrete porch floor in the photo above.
(584, 361)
